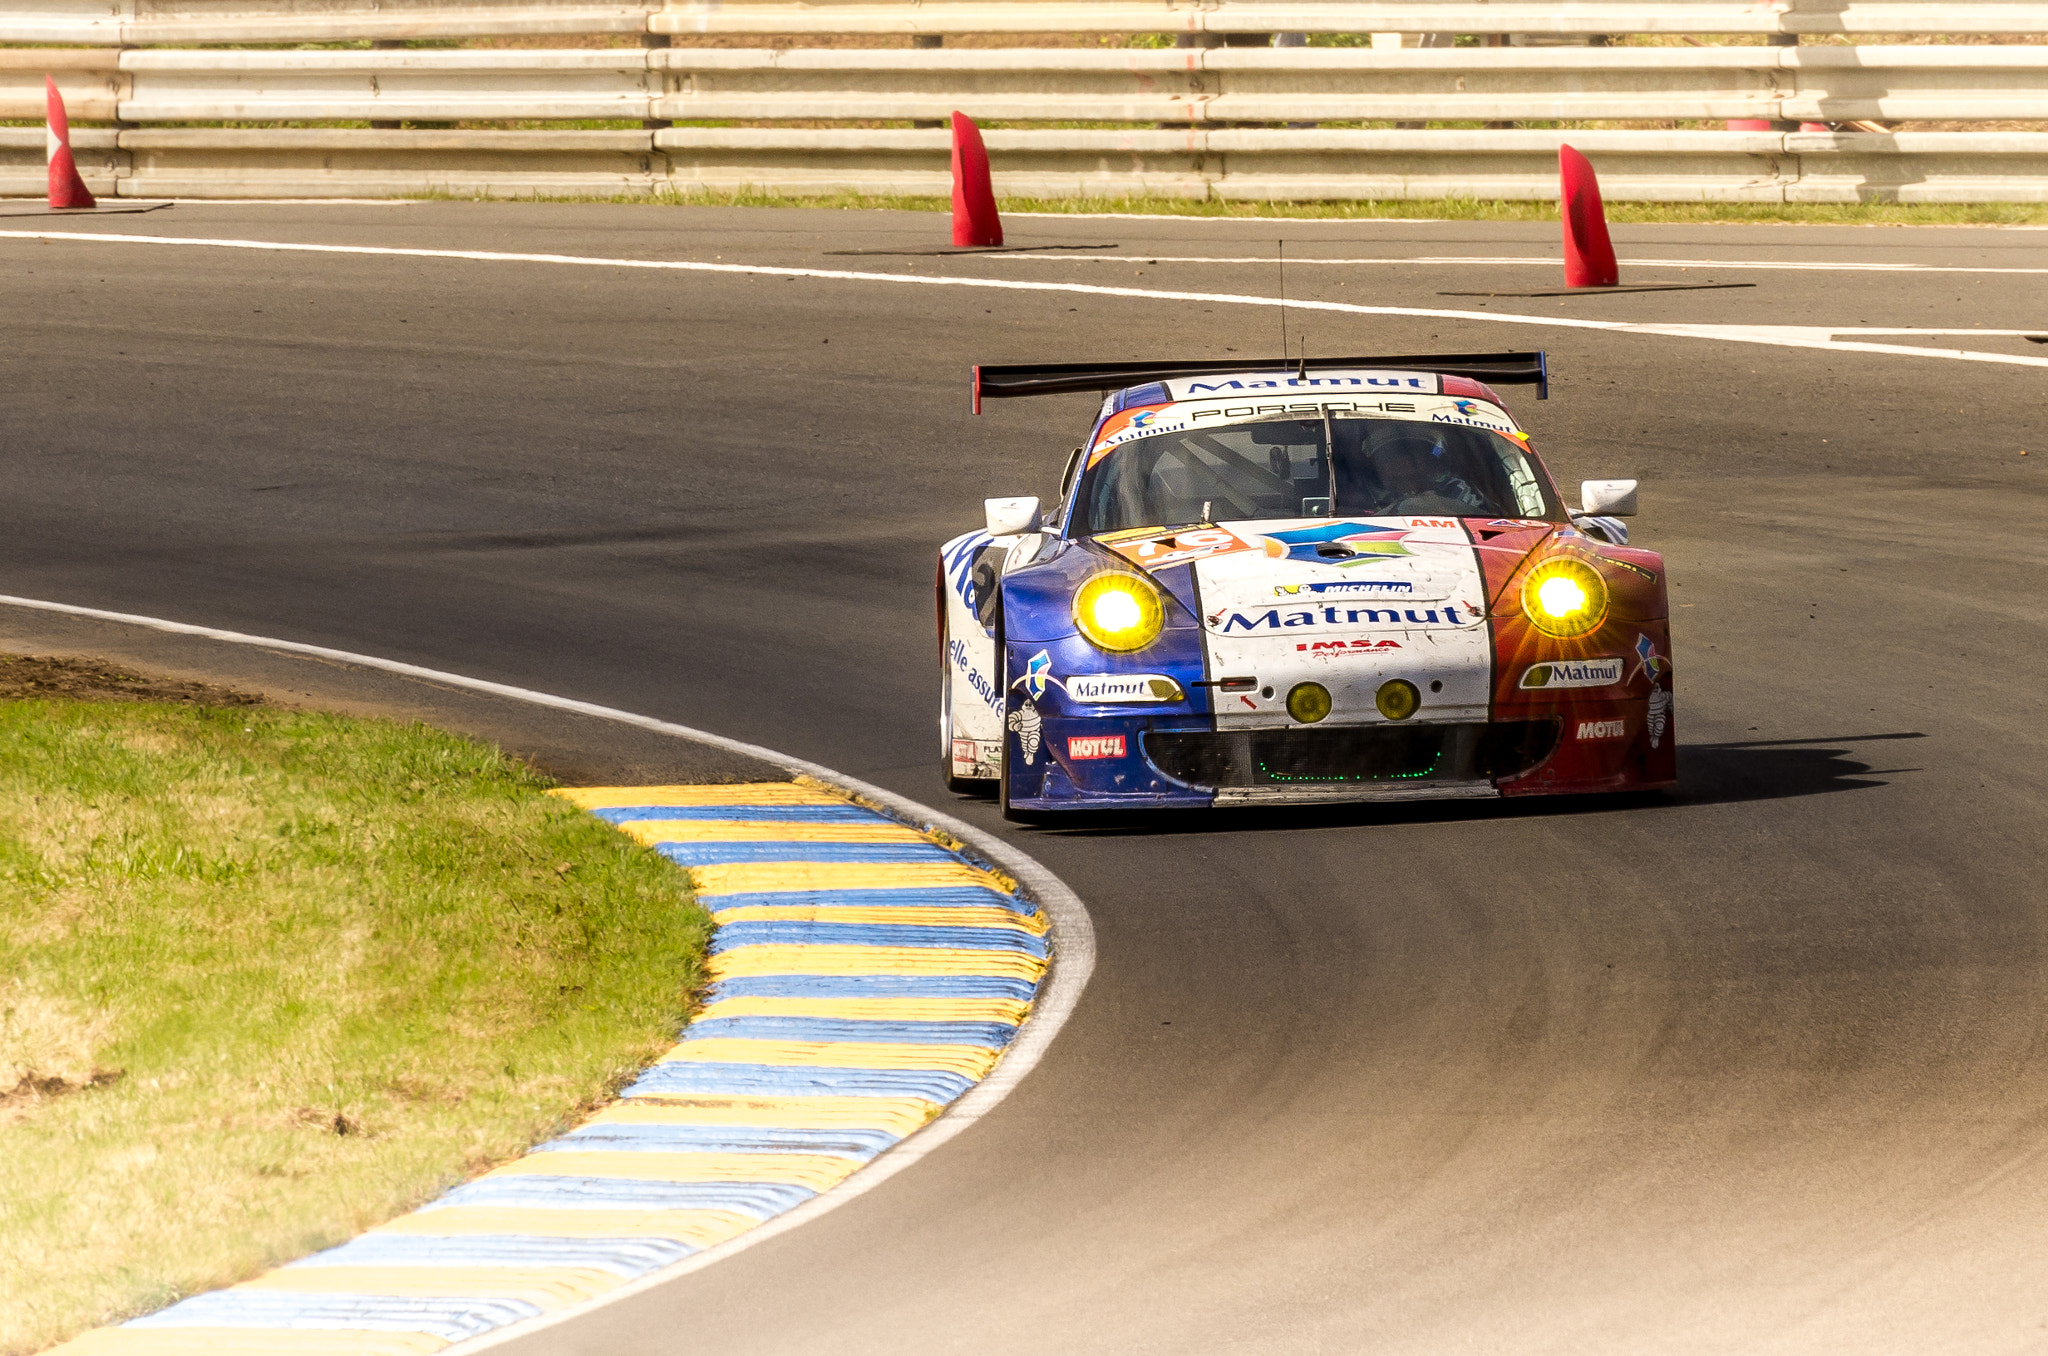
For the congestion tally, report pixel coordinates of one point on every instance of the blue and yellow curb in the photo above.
(863, 975)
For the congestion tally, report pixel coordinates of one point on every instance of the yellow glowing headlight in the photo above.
(1119, 611)
(1565, 597)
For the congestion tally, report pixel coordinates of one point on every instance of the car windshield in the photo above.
(1283, 469)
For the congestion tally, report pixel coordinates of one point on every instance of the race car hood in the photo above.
(1314, 562)
(1345, 602)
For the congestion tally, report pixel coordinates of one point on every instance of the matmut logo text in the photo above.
(1096, 746)
(1301, 383)
(1273, 619)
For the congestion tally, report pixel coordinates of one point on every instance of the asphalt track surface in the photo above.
(1758, 1067)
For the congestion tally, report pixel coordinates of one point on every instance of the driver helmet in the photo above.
(1409, 465)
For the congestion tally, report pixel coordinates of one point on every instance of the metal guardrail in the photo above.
(1245, 164)
(149, 22)
(1184, 86)
(1202, 120)
(1351, 16)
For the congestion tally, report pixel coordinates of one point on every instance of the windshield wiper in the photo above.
(1330, 457)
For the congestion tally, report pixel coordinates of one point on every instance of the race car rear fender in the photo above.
(970, 711)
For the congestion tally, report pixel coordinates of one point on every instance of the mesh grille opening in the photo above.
(1373, 754)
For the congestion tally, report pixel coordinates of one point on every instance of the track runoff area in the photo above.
(1747, 1069)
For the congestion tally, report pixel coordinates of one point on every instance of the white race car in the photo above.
(1341, 580)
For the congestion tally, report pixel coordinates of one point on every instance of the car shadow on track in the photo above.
(1774, 769)
(1708, 774)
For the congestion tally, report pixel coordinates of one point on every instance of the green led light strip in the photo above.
(1391, 777)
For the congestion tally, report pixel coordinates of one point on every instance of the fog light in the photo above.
(1397, 699)
(1308, 702)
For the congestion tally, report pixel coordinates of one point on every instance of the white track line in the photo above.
(1236, 221)
(237, 202)
(1534, 260)
(1073, 942)
(1405, 221)
(1775, 336)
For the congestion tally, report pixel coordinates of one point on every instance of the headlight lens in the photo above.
(1308, 702)
(1119, 611)
(1565, 597)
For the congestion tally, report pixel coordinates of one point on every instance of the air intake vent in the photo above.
(1372, 754)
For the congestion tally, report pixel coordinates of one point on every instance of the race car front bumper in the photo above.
(1134, 762)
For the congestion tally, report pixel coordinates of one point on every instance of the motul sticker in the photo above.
(1602, 729)
(1096, 746)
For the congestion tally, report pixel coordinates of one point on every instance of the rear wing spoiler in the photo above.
(1031, 379)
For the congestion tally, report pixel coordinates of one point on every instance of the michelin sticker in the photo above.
(1572, 673)
(1376, 587)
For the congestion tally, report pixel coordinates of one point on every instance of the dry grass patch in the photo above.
(270, 976)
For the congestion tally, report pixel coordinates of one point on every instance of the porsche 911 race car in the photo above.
(1301, 581)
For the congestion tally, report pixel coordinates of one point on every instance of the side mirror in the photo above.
(1614, 498)
(1008, 517)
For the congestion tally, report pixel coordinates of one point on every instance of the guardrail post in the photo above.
(927, 40)
(386, 45)
(1782, 40)
(654, 41)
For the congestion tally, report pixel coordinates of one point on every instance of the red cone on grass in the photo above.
(1588, 253)
(974, 199)
(66, 188)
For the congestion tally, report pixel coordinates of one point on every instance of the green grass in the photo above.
(268, 977)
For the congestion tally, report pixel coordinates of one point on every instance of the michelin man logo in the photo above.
(1025, 722)
(1658, 717)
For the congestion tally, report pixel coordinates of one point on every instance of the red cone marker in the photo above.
(1588, 253)
(974, 199)
(66, 188)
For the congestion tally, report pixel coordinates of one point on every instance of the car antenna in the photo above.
(1280, 249)
(1301, 371)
